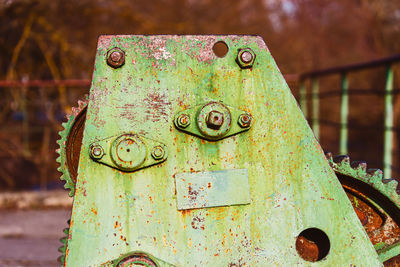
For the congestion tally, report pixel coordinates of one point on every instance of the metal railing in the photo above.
(344, 72)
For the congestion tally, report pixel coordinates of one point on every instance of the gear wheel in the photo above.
(70, 145)
(63, 248)
(376, 202)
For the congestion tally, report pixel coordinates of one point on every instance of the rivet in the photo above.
(96, 152)
(158, 152)
(115, 57)
(245, 58)
(183, 120)
(244, 120)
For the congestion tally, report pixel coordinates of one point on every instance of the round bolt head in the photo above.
(215, 119)
(115, 57)
(158, 152)
(128, 152)
(183, 120)
(244, 120)
(245, 58)
(96, 152)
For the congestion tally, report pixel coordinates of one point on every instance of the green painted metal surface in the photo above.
(212, 189)
(291, 185)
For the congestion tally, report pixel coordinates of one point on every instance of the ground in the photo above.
(31, 237)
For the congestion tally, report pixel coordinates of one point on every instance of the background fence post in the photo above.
(315, 107)
(25, 119)
(344, 114)
(303, 97)
(388, 135)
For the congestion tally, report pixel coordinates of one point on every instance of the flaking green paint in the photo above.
(292, 186)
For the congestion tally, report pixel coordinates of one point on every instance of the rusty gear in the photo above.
(70, 144)
(376, 202)
(63, 248)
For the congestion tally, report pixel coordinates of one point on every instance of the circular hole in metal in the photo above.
(313, 244)
(220, 49)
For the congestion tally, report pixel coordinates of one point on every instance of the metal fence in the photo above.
(343, 73)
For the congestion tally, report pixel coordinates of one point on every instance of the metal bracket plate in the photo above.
(128, 152)
(213, 121)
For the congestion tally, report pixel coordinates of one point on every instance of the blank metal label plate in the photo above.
(212, 189)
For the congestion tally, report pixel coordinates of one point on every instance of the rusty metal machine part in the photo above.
(376, 202)
(70, 143)
(219, 200)
(380, 217)
(74, 143)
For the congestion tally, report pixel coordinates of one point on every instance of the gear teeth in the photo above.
(328, 156)
(373, 177)
(375, 172)
(341, 159)
(63, 248)
(359, 164)
(81, 104)
(61, 151)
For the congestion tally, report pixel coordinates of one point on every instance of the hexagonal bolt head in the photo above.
(245, 58)
(215, 119)
(183, 120)
(96, 152)
(244, 120)
(115, 57)
(158, 153)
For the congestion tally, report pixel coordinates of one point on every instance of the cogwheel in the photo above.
(63, 248)
(373, 177)
(376, 202)
(70, 144)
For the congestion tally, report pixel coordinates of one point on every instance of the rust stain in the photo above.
(157, 107)
(94, 211)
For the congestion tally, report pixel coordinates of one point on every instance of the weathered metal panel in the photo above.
(212, 189)
(292, 187)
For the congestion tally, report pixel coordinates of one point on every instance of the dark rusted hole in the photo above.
(313, 244)
(220, 49)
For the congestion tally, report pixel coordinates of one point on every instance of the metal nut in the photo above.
(245, 58)
(244, 120)
(96, 152)
(158, 152)
(215, 119)
(115, 57)
(183, 120)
